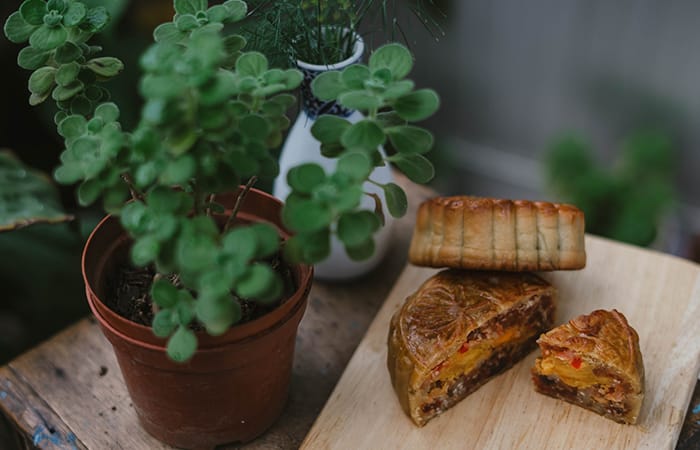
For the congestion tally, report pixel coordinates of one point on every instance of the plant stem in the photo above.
(239, 201)
(135, 194)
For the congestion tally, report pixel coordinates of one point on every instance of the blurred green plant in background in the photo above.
(625, 202)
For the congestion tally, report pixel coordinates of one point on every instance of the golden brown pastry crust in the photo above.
(608, 370)
(494, 234)
(431, 335)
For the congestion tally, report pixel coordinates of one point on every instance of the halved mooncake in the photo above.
(459, 329)
(495, 234)
(593, 361)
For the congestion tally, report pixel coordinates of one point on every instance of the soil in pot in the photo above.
(128, 294)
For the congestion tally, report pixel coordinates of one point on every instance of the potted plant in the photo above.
(318, 36)
(197, 279)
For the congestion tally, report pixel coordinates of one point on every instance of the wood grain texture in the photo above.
(659, 294)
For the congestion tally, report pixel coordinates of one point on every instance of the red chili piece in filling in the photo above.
(464, 348)
(576, 362)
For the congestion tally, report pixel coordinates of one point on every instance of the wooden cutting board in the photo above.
(660, 296)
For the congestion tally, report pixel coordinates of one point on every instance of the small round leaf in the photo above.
(396, 200)
(72, 126)
(164, 294)
(306, 177)
(67, 73)
(109, 112)
(355, 228)
(328, 129)
(251, 64)
(144, 251)
(17, 29)
(33, 11)
(394, 57)
(167, 33)
(68, 52)
(328, 85)
(46, 38)
(106, 66)
(361, 100)
(361, 251)
(355, 165)
(237, 9)
(355, 75)
(365, 134)
(307, 215)
(163, 324)
(182, 345)
(417, 105)
(257, 282)
(89, 191)
(410, 139)
(75, 13)
(31, 58)
(416, 167)
(42, 80)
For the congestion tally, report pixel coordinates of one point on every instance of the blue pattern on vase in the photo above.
(315, 107)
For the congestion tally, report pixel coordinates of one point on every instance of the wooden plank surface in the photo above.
(659, 294)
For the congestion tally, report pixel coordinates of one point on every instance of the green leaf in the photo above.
(179, 171)
(163, 200)
(268, 239)
(306, 177)
(164, 294)
(183, 344)
(417, 105)
(328, 86)
(75, 13)
(416, 167)
(394, 57)
(81, 105)
(106, 66)
(241, 243)
(237, 9)
(355, 75)
(284, 100)
(186, 22)
(218, 13)
(190, 6)
(67, 73)
(362, 100)
(33, 11)
(63, 93)
(72, 127)
(355, 228)
(27, 196)
(308, 247)
(260, 283)
(68, 173)
(17, 29)
(218, 315)
(365, 134)
(145, 250)
(167, 33)
(361, 251)
(328, 129)
(292, 78)
(36, 99)
(251, 64)
(96, 19)
(307, 215)
(332, 150)
(109, 112)
(56, 5)
(396, 200)
(196, 252)
(132, 216)
(31, 58)
(398, 89)
(89, 191)
(45, 38)
(254, 127)
(42, 80)
(59, 117)
(410, 139)
(163, 324)
(68, 52)
(355, 165)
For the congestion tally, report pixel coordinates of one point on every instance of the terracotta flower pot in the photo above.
(235, 386)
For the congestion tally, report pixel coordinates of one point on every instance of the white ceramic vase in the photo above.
(301, 147)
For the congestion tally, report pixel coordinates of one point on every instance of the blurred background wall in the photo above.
(514, 76)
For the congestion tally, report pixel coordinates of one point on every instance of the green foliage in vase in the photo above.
(325, 31)
(212, 117)
(625, 203)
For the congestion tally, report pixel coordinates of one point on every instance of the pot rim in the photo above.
(303, 274)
